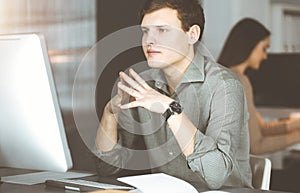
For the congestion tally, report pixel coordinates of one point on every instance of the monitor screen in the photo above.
(32, 134)
(277, 82)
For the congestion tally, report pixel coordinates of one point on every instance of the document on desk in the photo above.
(41, 177)
(159, 182)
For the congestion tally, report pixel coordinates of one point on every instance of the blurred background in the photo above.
(72, 27)
(69, 27)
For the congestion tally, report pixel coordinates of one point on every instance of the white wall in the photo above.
(221, 15)
(218, 16)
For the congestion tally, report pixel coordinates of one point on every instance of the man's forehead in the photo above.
(165, 16)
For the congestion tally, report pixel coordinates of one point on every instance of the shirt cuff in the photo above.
(114, 151)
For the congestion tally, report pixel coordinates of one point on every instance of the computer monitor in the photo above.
(277, 82)
(32, 134)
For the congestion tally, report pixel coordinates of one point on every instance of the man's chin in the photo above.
(156, 64)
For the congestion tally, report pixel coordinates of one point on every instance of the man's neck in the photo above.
(175, 72)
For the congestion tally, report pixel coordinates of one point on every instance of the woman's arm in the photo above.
(265, 137)
(278, 127)
(272, 128)
(261, 144)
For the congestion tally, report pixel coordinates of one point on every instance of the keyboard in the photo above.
(84, 185)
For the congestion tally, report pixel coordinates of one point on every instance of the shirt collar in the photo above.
(194, 72)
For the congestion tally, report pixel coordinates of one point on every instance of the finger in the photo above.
(120, 91)
(132, 83)
(130, 105)
(128, 90)
(139, 79)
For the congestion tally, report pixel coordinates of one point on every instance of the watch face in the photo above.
(176, 107)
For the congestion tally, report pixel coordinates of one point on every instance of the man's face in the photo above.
(164, 41)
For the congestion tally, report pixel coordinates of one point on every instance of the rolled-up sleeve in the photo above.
(214, 149)
(112, 162)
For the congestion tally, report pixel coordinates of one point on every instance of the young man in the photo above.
(190, 111)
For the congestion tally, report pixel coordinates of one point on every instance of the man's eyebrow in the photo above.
(161, 26)
(144, 27)
(156, 26)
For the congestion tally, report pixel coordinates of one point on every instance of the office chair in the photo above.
(261, 172)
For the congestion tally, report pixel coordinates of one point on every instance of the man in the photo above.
(190, 111)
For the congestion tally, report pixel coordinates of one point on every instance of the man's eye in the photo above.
(144, 31)
(162, 30)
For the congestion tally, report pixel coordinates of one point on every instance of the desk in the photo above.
(41, 188)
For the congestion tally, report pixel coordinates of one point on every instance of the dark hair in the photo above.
(242, 39)
(189, 12)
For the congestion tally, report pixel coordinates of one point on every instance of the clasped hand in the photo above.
(144, 96)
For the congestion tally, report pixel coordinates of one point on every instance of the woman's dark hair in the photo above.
(189, 12)
(242, 39)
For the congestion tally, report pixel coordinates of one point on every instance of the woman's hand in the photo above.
(293, 124)
(144, 95)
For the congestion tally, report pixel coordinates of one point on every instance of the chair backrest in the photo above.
(261, 172)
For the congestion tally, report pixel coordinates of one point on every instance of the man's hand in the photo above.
(144, 95)
(113, 106)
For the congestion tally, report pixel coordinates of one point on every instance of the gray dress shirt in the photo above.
(213, 99)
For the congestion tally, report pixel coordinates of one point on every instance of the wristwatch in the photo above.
(174, 109)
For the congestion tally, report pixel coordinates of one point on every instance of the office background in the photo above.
(72, 27)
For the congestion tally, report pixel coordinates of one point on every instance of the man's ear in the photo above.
(194, 34)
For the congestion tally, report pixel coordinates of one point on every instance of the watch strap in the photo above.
(174, 108)
(167, 114)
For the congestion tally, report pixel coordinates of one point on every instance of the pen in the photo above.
(72, 188)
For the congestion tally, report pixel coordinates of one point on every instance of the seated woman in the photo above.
(245, 48)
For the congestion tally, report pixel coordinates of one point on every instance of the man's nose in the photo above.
(149, 38)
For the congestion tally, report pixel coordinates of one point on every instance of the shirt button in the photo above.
(170, 153)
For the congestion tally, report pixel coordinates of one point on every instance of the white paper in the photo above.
(41, 177)
(159, 182)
